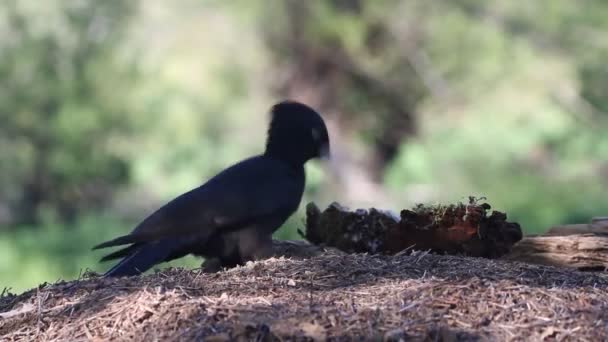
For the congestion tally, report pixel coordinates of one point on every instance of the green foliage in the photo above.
(62, 105)
(31, 256)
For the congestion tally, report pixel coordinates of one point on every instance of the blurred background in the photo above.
(108, 109)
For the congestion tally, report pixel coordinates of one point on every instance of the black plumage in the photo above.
(231, 218)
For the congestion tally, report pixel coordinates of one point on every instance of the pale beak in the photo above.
(324, 151)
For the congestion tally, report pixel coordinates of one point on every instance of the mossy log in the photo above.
(463, 228)
(455, 229)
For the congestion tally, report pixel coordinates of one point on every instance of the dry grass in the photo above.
(341, 297)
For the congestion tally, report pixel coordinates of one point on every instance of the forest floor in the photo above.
(417, 296)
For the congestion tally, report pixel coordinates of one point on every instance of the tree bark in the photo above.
(585, 252)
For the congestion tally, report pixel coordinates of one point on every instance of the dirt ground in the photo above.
(331, 296)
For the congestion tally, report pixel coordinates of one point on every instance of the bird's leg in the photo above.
(264, 250)
(254, 245)
(244, 245)
(212, 265)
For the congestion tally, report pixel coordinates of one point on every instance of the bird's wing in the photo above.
(256, 189)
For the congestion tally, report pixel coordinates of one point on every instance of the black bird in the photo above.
(230, 219)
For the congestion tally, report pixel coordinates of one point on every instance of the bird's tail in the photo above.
(143, 257)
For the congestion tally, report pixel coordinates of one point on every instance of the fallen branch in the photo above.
(585, 252)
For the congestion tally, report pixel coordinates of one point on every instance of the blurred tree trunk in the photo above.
(375, 101)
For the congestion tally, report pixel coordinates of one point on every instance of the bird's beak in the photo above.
(324, 151)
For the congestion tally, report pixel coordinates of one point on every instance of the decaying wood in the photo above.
(464, 229)
(586, 252)
(455, 229)
(598, 225)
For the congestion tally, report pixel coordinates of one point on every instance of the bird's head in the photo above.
(297, 133)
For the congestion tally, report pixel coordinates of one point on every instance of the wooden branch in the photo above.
(585, 252)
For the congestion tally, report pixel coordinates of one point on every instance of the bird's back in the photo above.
(256, 187)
